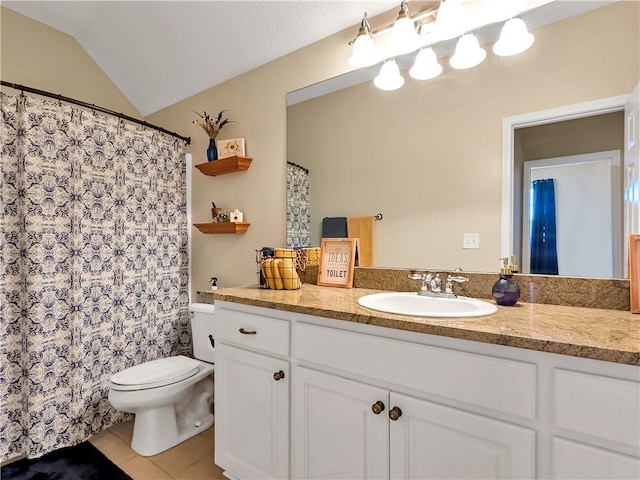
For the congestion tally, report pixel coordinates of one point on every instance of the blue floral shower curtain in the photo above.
(544, 254)
(93, 266)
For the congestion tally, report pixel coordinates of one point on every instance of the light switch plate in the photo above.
(470, 240)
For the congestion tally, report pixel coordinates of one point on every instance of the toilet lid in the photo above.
(156, 373)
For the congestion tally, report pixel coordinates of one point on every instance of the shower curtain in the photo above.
(298, 207)
(93, 266)
(544, 252)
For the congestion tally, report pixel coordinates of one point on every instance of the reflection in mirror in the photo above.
(582, 157)
(429, 156)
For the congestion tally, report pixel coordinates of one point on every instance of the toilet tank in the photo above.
(202, 331)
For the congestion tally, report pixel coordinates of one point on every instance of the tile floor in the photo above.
(191, 460)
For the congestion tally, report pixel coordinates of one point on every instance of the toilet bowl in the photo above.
(171, 397)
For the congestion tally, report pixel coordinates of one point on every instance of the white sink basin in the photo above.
(410, 303)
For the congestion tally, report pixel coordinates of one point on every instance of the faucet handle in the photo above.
(415, 276)
(450, 279)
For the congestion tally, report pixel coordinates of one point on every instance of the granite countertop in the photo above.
(609, 335)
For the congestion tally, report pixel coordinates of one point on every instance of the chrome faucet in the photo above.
(432, 284)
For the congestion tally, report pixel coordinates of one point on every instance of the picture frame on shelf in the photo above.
(231, 148)
(634, 272)
(337, 261)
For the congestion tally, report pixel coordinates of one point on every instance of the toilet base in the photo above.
(155, 430)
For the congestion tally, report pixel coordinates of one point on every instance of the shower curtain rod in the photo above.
(306, 170)
(62, 98)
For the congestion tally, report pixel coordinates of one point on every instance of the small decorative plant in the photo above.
(211, 125)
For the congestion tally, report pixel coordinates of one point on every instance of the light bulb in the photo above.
(404, 37)
(451, 20)
(514, 38)
(468, 53)
(364, 53)
(499, 10)
(389, 77)
(426, 65)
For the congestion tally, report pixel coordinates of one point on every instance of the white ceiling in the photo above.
(161, 52)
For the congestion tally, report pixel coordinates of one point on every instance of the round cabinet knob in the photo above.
(278, 375)
(395, 413)
(377, 407)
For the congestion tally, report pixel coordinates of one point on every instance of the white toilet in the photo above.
(171, 397)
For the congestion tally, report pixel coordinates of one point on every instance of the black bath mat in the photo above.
(80, 462)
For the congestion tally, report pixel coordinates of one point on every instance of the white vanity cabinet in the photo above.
(459, 409)
(252, 396)
(347, 429)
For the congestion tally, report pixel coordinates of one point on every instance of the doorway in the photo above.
(554, 133)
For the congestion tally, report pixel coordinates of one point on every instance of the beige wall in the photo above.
(428, 156)
(41, 57)
(256, 101)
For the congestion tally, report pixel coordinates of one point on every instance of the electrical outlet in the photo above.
(470, 240)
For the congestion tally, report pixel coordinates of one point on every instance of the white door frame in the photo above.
(552, 115)
(613, 156)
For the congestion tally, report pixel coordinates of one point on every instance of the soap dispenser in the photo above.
(506, 291)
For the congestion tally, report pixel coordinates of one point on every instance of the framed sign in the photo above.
(634, 272)
(230, 148)
(337, 258)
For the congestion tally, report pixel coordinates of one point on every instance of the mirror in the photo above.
(429, 155)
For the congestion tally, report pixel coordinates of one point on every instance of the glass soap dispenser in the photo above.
(506, 291)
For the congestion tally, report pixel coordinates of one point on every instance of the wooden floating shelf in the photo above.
(225, 165)
(222, 227)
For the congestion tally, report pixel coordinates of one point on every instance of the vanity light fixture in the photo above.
(451, 20)
(426, 65)
(404, 37)
(448, 20)
(468, 53)
(364, 52)
(501, 10)
(514, 38)
(389, 77)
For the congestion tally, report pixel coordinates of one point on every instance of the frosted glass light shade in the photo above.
(389, 77)
(468, 53)
(514, 38)
(451, 20)
(499, 10)
(404, 37)
(364, 52)
(426, 65)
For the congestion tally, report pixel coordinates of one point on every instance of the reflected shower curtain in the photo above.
(93, 266)
(544, 254)
(298, 207)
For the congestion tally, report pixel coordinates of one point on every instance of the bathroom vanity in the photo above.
(311, 385)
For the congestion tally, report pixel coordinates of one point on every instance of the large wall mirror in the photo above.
(429, 156)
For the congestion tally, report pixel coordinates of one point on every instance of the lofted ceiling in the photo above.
(161, 52)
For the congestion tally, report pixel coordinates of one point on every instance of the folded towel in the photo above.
(362, 228)
(334, 227)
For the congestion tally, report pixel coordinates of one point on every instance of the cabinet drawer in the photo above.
(271, 334)
(580, 461)
(604, 407)
(497, 384)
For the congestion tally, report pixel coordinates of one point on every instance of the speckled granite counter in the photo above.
(609, 335)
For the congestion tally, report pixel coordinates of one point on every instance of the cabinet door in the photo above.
(577, 460)
(336, 433)
(437, 442)
(251, 414)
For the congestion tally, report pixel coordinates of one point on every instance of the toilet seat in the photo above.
(156, 373)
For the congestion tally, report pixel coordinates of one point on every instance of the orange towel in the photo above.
(362, 228)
